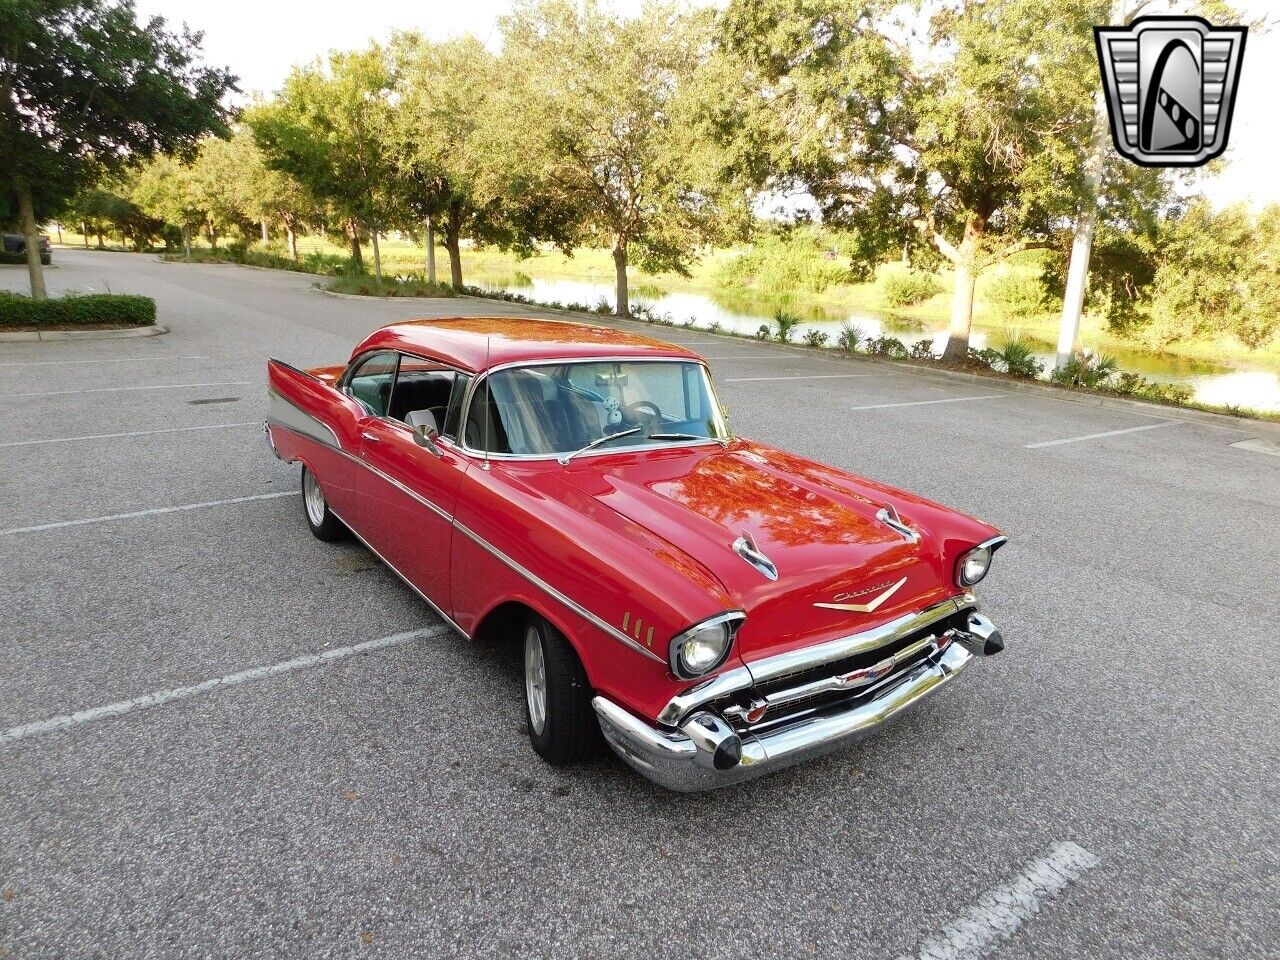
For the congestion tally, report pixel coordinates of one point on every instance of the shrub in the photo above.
(905, 287)
(19, 257)
(849, 339)
(1018, 358)
(922, 350)
(886, 346)
(801, 260)
(18, 310)
(714, 326)
(786, 322)
(762, 333)
(986, 357)
(816, 338)
(402, 286)
(1085, 370)
(1136, 385)
(1016, 293)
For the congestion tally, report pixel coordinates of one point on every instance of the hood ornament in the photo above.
(889, 517)
(887, 591)
(746, 548)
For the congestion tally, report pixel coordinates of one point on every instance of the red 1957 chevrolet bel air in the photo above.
(716, 608)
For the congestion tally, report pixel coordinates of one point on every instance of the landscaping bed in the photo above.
(101, 311)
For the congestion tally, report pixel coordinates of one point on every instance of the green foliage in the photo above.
(816, 338)
(1085, 370)
(849, 339)
(1135, 385)
(17, 310)
(322, 264)
(905, 287)
(20, 257)
(786, 263)
(401, 286)
(1016, 293)
(786, 324)
(922, 350)
(1017, 358)
(986, 357)
(887, 346)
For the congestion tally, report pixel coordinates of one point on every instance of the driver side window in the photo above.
(372, 381)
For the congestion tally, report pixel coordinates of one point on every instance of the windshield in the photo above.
(552, 409)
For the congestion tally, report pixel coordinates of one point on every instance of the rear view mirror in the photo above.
(425, 429)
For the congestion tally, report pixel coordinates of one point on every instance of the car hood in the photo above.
(818, 526)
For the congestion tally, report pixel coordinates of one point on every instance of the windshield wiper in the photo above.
(723, 441)
(597, 442)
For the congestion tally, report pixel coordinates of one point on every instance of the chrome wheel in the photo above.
(313, 498)
(535, 679)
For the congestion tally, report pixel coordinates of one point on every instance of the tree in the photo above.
(166, 189)
(86, 89)
(328, 130)
(607, 112)
(971, 133)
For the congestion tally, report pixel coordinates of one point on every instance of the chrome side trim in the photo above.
(551, 591)
(793, 661)
(392, 567)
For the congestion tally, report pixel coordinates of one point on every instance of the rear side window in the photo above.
(371, 381)
(421, 385)
(453, 416)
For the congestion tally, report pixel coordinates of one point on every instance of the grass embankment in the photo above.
(76, 312)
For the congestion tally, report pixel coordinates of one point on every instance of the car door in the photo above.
(407, 491)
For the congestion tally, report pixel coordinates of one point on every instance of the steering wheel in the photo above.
(643, 413)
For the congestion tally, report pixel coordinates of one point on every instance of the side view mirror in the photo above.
(425, 429)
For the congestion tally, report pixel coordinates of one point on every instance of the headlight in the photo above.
(705, 645)
(975, 564)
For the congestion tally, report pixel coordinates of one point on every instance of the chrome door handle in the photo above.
(371, 437)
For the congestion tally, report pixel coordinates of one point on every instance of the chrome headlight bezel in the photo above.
(718, 631)
(983, 551)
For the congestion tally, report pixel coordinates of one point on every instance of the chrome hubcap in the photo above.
(313, 498)
(535, 680)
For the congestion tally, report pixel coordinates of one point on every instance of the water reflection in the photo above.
(1211, 383)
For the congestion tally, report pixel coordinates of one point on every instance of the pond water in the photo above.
(1257, 388)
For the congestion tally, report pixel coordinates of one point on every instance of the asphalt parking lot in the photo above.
(1105, 788)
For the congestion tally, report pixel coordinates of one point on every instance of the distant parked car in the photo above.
(717, 608)
(17, 243)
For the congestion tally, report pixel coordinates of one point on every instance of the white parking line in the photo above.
(50, 363)
(129, 433)
(1099, 436)
(121, 707)
(925, 403)
(160, 386)
(1001, 911)
(148, 513)
(815, 376)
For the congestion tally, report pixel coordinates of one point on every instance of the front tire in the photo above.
(562, 723)
(320, 518)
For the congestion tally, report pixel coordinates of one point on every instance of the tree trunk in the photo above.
(266, 235)
(186, 240)
(31, 235)
(84, 232)
(213, 237)
(966, 267)
(293, 242)
(353, 236)
(59, 226)
(622, 306)
(431, 251)
(377, 255)
(453, 244)
(101, 245)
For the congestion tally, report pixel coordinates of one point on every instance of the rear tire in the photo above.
(563, 728)
(320, 518)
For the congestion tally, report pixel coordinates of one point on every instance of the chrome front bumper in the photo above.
(703, 752)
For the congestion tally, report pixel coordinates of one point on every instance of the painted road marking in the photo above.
(814, 376)
(122, 707)
(1258, 445)
(161, 386)
(925, 403)
(1001, 911)
(1099, 436)
(130, 433)
(49, 363)
(147, 513)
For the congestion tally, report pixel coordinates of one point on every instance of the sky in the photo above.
(260, 40)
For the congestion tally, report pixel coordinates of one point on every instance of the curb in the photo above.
(367, 297)
(1156, 410)
(41, 336)
(242, 266)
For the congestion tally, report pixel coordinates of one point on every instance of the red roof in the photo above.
(477, 343)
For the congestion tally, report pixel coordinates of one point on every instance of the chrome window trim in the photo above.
(564, 361)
